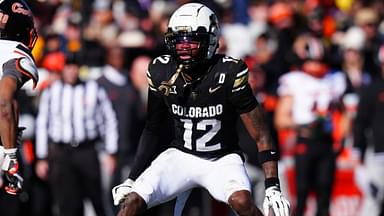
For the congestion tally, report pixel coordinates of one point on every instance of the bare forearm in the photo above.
(8, 112)
(283, 113)
(270, 169)
(256, 125)
(8, 119)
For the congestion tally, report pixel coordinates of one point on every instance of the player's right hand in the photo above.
(120, 191)
(12, 180)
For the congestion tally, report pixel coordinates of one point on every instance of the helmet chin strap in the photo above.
(166, 86)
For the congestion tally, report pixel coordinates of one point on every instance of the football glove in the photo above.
(276, 201)
(120, 191)
(11, 178)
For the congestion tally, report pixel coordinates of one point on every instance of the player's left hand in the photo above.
(12, 180)
(276, 201)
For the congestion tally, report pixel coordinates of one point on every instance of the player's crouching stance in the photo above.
(17, 39)
(204, 93)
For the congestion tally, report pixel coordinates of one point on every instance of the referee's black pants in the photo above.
(315, 165)
(75, 175)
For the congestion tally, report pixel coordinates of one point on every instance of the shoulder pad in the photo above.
(28, 68)
(158, 70)
(161, 60)
(229, 59)
(237, 71)
(230, 65)
(240, 80)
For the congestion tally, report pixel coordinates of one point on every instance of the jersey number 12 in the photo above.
(201, 143)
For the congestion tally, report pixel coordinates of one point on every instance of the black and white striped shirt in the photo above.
(75, 113)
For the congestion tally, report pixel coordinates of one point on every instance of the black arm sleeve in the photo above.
(156, 136)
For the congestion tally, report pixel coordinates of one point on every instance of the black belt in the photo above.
(76, 144)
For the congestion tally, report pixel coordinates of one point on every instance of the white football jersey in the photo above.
(310, 94)
(24, 62)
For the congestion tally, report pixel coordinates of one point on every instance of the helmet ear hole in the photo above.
(196, 21)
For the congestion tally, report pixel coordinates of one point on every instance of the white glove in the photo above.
(10, 172)
(120, 191)
(275, 200)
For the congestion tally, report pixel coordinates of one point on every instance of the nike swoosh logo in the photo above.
(211, 90)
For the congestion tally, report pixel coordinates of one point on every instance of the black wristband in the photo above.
(270, 182)
(267, 155)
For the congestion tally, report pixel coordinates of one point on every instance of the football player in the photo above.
(17, 38)
(204, 93)
(308, 99)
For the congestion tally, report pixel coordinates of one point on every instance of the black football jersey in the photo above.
(206, 109)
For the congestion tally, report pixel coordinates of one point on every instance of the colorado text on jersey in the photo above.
(197, 112)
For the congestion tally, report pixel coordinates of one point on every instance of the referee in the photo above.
(74, 115)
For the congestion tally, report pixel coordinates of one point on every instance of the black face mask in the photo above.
(173, 38)
(187, 47)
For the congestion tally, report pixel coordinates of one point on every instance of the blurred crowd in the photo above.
(339, 44)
